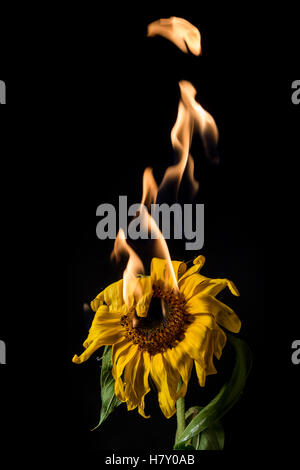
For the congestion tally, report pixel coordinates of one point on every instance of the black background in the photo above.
(85, 129)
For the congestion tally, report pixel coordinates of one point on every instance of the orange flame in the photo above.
(148, 223)
(179, 31)
(150, 188)
(190, 173)
(203, 122)
(131, 286)
(181, 136)
(191, 117)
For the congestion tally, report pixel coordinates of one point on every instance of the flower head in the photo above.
(162, 332)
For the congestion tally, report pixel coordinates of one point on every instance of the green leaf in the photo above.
(226, 398)
(212, 438)
(183, 446)
(108, 398)
(189, 415)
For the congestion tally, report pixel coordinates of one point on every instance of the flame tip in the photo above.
(179, 31)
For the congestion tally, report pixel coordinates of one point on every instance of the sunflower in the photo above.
(161, 332)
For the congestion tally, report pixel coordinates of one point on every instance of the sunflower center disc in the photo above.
(153, 337)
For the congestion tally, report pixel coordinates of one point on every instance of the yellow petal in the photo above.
(112, 296)
(105, 330)
(212, 340)
(136, 381)
(139, 294)
(158, 374)
(109, 339)
(191, 285)
(214, 286)
(147, 362)
(232, 287)
(223, 314)
(97, 302)
(199, 261)
(160, 273)
(201, 374)
(198, 341)
(219, 342)
(197, 284)
(172, 376)
(143, 302)
(180, 361)
(122, 354)
(197, 265)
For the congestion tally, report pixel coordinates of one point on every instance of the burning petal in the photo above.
(142, 302)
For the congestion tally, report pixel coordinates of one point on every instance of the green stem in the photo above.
(180, 412)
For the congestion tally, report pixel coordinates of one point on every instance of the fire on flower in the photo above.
(162, 324)
(163, 344)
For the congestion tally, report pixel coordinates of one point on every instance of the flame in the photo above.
(148, 223)
(179, 31)
(181, 136)
(131, 285)
(150, 188)
(203, 122)
(191, 117)
(190, 173)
